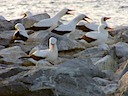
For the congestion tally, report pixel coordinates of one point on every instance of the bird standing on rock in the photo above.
(20, 33)
(50, 23)
(87, 27)
(95, 38)
(70, 27)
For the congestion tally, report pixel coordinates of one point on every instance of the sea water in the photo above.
(95, 9)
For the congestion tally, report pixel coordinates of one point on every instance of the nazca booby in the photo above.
(95, 38)
(50, 54)
(87, 27)
(50, 23)
(70, 27)
(20, 33)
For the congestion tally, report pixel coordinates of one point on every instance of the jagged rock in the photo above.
(40, 40)
(29, 21)
(5, 25)
(74, 78)
(11, 55)
(123, 86)
(94, 53)
(5, 37)
(121, 50)
(122, 69)
(106, 63)
(110, 89)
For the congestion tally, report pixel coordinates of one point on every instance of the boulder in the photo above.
(5, 38)
(5, 25)
(123, 86)
(106, 63)
(75, 78)
(29, 21)
(121, 50)
(11, 55)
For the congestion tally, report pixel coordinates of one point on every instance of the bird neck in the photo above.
(58, 15)
(53, 47)
(74, 21)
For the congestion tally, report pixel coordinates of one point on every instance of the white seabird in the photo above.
(50, 54)
(26, 14)
(70, 27)
(20, 33)
(50, 23)
(95, 38)
(87, 27)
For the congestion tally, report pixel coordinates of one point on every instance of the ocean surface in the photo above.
(95, 9)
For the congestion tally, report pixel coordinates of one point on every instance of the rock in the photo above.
(5, 38)
(121, 50)
(94, 53)
(8, 72)
(29, 21)
(110, 89)
(123, 86)
(13, 89)
(5, 25)
(40, 40)
(122, 69)
(101, 81)
(11, 55)
(106, 63)
(74, 78)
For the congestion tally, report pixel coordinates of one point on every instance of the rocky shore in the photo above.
(79, 70)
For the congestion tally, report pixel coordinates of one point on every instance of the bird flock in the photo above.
(95, 34)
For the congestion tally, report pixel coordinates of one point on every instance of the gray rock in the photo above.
(106, 63)
(40, 40)
(5, 25)
(121, 50)
(5, 37)
(123, 86)
(93, 53)
(11, 55)
(74, 78)
(110, 89)
(28, 22)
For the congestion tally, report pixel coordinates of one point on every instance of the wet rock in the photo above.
(74, 78)
(11, 55)
(106, 63)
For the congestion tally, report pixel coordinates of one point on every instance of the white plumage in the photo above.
(20, 33)
(51, 23)
(96, 38)
(87, 27)
(50, 54)
(70, 27)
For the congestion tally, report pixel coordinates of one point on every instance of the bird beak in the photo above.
(106, 18)
(108, 28)
(68, 12)
(23, 14)
(85, 20)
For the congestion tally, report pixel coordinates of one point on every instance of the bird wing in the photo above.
(63, 27)
(44, 23)
(92, 26)
(23, 33)
(93, 34)
(41, 53)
